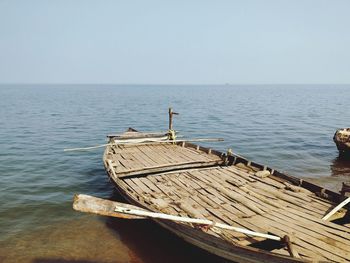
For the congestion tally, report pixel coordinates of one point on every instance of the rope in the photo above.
(172, 136)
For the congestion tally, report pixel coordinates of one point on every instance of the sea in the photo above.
(287, 127)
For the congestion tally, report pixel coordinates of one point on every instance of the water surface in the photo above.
(288, 127)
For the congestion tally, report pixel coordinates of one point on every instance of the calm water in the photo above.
(287, 127)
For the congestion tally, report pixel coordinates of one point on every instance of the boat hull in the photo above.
(126, 175)
(210, 245)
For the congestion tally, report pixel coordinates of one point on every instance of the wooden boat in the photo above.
(223, 203)
(342, 140)
(187, 180)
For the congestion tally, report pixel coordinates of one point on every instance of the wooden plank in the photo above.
(99, 206)
(186, 181)
(149, 184)
(141, 189)
(234, 192)
(161, 157)
(249, 195)
(137, 135)
(139, 186)
(168, 191)
(303, 208)
(335, 209)
(312, 229)
(150, 155)
(139, 183)
(331, 252)
(276, 189)
(237, 238)
(144, 159)
(141, 162)
(169, 153)
(165, 168)
(196, 155)
(281, 230)
(234, 205)
(302, 240)
(265, 180)
(305, 254)
(203, 206)
(187, 153)
(330, 227)
(225, 202)
(134, 186)
(245, 225)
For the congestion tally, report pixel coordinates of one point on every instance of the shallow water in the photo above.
(289, 128)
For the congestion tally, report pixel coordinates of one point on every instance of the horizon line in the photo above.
(169, 84)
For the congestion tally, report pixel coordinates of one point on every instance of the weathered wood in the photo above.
(137, 135)
(99, 206)
(87, 148)
(313, 229)
(139, 212)
(151, 141)
(337, 208)
(171, 113)
(244, 194)
(331, 251)
(166, 168)
(290, 247)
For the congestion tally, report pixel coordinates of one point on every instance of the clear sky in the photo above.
(174, 42)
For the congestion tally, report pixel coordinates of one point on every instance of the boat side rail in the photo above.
(234, 159)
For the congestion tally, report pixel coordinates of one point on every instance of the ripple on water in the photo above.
(287, 127)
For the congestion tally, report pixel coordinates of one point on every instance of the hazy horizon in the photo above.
(176, 84)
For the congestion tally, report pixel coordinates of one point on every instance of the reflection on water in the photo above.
(154, 244)
(85, 239)
(91, 239)
(340, 172)
(340, 166)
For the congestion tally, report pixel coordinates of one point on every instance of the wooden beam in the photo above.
(292, 252)
(199, 221)
(167, 168)
(137, 135)
(99, 206)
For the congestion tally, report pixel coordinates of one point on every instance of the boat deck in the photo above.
(148, 158)
(193, 182)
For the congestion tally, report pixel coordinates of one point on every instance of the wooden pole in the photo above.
(337, 208)
(170, 118)
(171, 113)
(90, 204)
(86, 148)
(291, 250)
(137, 212)
(99, 206)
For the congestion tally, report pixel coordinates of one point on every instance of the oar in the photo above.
(116, 141)
(144, 142)
(86, 148)
(99, 206)
(90, 204)
(335, 209)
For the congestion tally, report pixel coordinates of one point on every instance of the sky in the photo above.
(175, 42)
